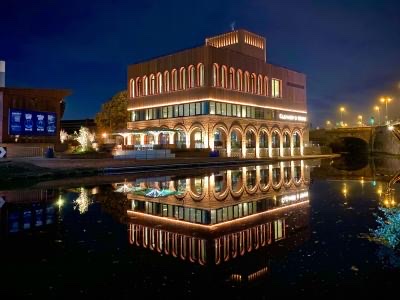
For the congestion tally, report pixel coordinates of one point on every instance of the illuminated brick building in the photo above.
(223, 95)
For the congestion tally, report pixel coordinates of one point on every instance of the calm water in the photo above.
(291, 228)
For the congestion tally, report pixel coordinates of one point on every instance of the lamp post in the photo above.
(359, 120)
(377, 108)
(341, 115)
(386, 101)
(328, 123)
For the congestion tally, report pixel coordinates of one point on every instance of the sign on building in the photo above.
(26, 122)
(3, 152)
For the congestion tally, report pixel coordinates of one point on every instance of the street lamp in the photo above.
(359, 120)
(386, 101)
(328, 123)
(379, 113)
(342, 109)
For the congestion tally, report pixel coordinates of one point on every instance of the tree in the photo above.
(114, 113)
(85, 139)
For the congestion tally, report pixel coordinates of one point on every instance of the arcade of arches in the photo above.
(236, 140)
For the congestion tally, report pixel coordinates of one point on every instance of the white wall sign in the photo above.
(3, 152)
(293, 117)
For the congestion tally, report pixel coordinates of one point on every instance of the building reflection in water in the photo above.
(27, 210)
(217, 218)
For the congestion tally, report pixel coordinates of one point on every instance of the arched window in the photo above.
(132, 88)
(259, 85)
(239, 80)
(246, 82)
(215, 75)
(145, 86)
(265, 86)
(174, 75)
(263, 140)
(200, 74)
(159, 83)
(275, 140)
(152, 84)
(182, 78)
(191, 76)
(166, 81)
(286, 140)
(296, 140)
(224, 77)
(139, 87)
(232, 78)
(253, 83)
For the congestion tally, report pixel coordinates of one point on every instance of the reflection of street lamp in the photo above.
(345, 190)
(379, 113)
(342, 110)
(386, 101)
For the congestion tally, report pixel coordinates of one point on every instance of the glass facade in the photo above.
(203, 108)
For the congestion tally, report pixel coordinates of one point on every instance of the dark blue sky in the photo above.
(349, 50)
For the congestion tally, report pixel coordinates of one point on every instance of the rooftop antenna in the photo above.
(233, 25)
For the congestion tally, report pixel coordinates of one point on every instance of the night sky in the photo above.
(349, 50)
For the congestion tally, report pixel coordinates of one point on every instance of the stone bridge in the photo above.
(383, 139)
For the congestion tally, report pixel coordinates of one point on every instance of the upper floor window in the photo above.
(239, 80)
(276, 88)
(159, 83)
(174, 75)
(191, 76)
(152, 84)
(246, 82)
(139, 87)
(224, 77)
(166, 81)
(145, 86)
(215, 75)
(232, 78)
(182, 78)
(200, 74)
(253, 83)
(132, 88)
(259, 85)
(265, 86)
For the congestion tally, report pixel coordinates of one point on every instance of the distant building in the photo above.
(29, 118)
(31, 115)
(223, 95)
(70, 126)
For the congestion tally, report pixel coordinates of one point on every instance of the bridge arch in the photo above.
(349, 144)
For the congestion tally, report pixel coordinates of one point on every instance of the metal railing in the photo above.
(25, 151)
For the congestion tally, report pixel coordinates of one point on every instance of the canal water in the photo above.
(291, 228)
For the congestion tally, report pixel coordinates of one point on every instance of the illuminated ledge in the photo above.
(215, 94)
(221, 228)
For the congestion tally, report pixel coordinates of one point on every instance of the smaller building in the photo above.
(29, 118)
(31, 115)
